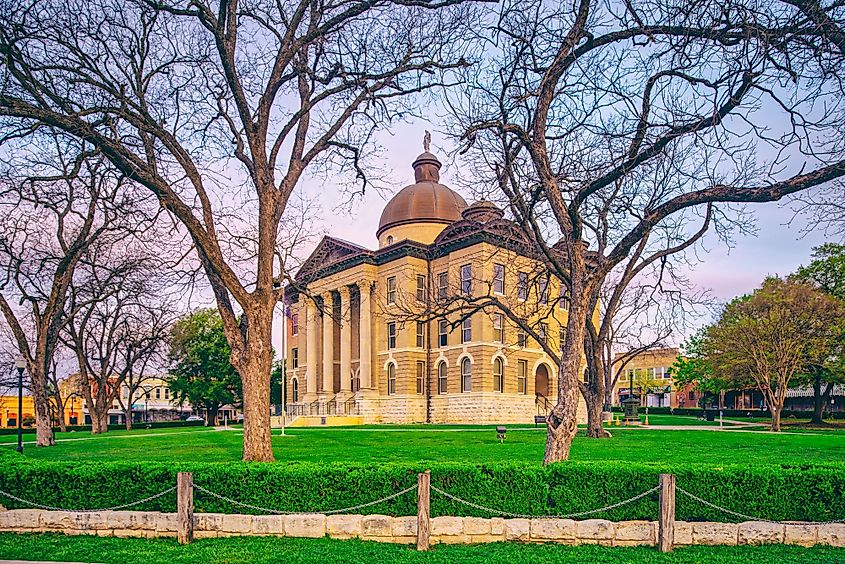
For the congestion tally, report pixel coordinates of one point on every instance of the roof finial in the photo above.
(427, 141)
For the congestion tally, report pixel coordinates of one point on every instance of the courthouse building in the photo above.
(374, 335)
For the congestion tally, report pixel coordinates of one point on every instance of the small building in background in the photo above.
(655, 367)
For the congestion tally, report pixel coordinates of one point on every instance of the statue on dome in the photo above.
(427, 141)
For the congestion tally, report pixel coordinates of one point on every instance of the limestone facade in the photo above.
(385, 334)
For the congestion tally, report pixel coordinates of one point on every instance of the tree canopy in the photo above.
(773, 336)
(201, 373)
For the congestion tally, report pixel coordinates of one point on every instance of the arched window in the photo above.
(295, 389)
(498, 375)
(389, 240)
(466, 375)
(442, 378)
(391, 379)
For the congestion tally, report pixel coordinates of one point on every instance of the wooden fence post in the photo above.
(666, 515)
(185, 507)
(423, 503)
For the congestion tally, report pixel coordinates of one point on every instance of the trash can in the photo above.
(710, 414)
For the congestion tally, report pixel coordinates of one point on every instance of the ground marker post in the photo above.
(185, 507)
(666, 515)
(423, 504)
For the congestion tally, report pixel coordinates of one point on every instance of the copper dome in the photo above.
(426, 201)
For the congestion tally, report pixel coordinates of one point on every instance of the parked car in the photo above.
(194, 418)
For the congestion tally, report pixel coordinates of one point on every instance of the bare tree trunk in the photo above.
(211, 415)
(819, 399)
(595, 407)
(99, 420)
(127, 415)
(254, 363)
(60, 406)
(256, 401)
(562, 422)
(775, 411)
(594, 390)
(43, 420)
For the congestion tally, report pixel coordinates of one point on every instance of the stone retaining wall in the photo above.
(455, 530)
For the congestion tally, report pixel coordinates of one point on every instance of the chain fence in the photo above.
(407, 490)
(524, 516)
(114, 508)
(277, 512)
(743, 515)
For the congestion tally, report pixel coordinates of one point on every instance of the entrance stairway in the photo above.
(334, 412)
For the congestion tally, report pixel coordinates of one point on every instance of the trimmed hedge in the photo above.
(150, 425)
(697, 412)
(807, 493)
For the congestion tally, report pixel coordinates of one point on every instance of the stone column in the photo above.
(366, 329)
(310, 348)
(345, 340)
(328, 344)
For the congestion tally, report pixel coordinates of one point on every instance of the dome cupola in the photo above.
(422, 210)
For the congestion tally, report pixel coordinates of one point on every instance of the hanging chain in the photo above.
(522, 516)
(115, 508)
(277, 512)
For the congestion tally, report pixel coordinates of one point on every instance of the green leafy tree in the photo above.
(201, 373)
(773, 336)
(827, 273)
(693, 368)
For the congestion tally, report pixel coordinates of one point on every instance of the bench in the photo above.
(539, 419)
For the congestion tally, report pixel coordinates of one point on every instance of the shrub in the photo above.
(811, 493)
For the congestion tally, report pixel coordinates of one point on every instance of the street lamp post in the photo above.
(20, 364)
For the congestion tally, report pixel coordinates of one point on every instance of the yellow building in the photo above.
(656, 366)
(374, 334)
(9, 410)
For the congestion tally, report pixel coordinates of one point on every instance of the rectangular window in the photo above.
(442, 333)
(521, 338)
(442, 285)
(565, 302)
(466, 330)
(522, 377)
(466, 279)
(420, 334)
(522, 286)
(442, 378)
(420, 377)
(543, 289)
(294, 354)
(167, 393)
(391, 290)
(391, 335)
(667, 372)
(498, 278)
(294, 324)
(543, 332)
(158, 393)
(562, 338)
(499, 327)
(420, 288)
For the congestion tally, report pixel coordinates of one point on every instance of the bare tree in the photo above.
(57, 199)
(634, 318)
(119, 315)
(187, 97)
(615, 129)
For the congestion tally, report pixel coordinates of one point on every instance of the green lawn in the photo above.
(473, 444)
(292, 551)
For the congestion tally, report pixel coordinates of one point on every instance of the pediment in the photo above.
(327, 252)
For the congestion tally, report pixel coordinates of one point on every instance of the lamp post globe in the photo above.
(20, 365)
